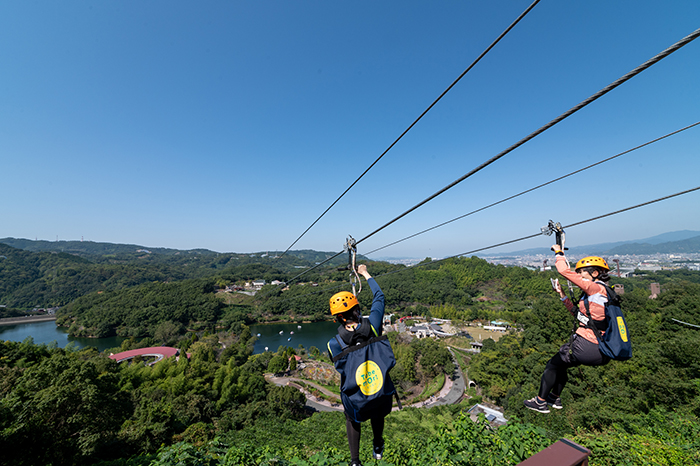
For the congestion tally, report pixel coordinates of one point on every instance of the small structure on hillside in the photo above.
(429, 330)
(420, 331)
(494, 416)
(476, 346)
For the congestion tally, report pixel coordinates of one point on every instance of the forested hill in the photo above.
(677, 242)
(67, 408)
(46, 279)
(55, 278)
(90, 248)
(691, 245)
(110, 252)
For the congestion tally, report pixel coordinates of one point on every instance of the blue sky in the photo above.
(232, 125)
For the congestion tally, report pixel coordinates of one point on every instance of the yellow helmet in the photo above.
(592, 261)
(343, 301)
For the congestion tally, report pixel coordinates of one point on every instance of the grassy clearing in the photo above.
(432, 387)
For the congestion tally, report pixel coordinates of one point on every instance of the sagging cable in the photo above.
(493, 44)
(657, 58)
(536, 187)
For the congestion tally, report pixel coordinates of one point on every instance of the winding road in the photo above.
(451, 393)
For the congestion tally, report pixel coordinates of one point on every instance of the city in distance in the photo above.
(681, 248)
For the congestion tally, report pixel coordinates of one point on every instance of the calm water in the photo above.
(316, 334)
(46, 332)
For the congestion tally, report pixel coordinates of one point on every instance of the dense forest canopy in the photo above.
(80, 407)
(46, 279)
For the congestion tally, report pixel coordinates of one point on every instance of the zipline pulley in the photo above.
(558, 230)
(351, 247)
(560, 236)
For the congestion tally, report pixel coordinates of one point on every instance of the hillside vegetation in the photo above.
(48, 278)
(68, 407)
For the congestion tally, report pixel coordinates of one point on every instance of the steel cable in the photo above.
(535, 188)
(660, 56)
(686, 40)
(493, 44)
(504, 243)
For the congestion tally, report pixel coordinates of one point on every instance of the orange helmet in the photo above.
(592, 261)
(343, 301)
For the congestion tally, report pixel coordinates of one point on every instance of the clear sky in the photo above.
(231, 125)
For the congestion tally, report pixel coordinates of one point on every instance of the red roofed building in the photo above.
(159, 352)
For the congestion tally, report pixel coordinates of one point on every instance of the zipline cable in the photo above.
(525, 237)
(685, 323)
(315, 266)
(686, 40)
(633, 207)
(493, 44)
(535, 188)
(567, 226)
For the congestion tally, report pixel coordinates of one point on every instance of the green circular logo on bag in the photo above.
(369, 378)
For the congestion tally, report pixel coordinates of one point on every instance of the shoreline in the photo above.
(25, 320)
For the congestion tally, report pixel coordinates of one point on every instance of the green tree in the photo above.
(278, 364)
(65, 410)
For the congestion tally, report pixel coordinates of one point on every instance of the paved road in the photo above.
(26, 320)
(451, 393)
(456, 392)
(318, 404)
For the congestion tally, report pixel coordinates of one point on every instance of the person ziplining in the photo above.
(595, 325)
(363, 357)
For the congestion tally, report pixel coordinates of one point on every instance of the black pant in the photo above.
(580, 352)
(355, 428)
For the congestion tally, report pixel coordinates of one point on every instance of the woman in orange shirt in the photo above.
(582, 348)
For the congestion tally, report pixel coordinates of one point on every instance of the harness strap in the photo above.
(597, 324)
(340, 341)
(398, 400)
(349, 349)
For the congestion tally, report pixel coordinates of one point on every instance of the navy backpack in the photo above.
(364, 376)
(615, 342)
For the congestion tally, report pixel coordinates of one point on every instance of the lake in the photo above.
(46, 332)
(316, 334)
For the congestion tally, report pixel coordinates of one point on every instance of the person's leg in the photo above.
(378, 440)
(555, 374)
(560, 380)
(381, 410)
(378, 430)
(353, 430)
(553, 380)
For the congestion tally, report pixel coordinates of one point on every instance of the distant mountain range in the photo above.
(675, 242)
(91, 249)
